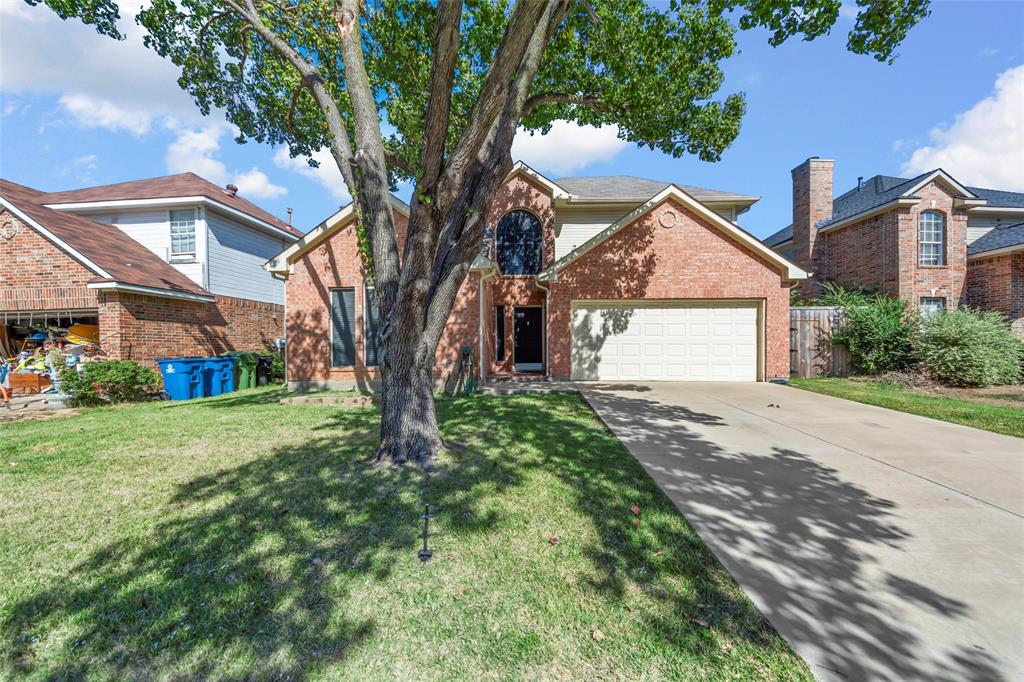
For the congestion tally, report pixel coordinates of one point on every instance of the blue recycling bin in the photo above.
(183, 377)
(218, 376)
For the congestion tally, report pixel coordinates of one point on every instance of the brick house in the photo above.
(930, 239)
(169, 266)
(610, 278)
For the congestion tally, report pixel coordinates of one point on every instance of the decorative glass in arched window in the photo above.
(520, 244)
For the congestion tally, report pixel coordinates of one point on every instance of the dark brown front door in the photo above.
(528, 339)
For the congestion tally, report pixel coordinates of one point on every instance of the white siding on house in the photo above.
(236, 258)
(574, 225)
(152, 229)
(978, 225)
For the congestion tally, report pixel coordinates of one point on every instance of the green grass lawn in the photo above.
(239, 538)
(1008, 420)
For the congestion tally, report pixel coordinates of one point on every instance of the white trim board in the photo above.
(168, 202)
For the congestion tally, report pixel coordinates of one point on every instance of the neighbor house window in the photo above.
(183, 232)
(931, 305)
(931, 238)
(520, 244)
(371, 323)
(343, 336)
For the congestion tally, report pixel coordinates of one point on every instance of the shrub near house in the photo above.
(971, 348)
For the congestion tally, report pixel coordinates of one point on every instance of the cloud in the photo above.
(80, 168)
(988, 52)
(847, 11)
(90, 112)
(327, 174)
(255, 183)
(43, 54)
(568, 147)
(195, 150)
(985, 145)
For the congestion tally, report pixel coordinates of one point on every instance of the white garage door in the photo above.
(690, 342)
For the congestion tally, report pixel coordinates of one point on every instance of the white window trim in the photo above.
(941, 242)
(183, 256)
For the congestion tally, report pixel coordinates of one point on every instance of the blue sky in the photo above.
(80, 110)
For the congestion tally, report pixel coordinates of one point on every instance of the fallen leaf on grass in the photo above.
(636, 522)
(597, 635)
(635, 509)
(553, 539)
(700, 621)
(460, 591)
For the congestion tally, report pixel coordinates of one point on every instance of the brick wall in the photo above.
(880, 253)
(148, 328)
(863, 255)
(945, 281)
(997, 283)
(36, 275)
(812, 204)
(690, 260)
(519, 193)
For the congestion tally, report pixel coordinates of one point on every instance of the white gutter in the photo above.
(870, 213)
(978, 210)
(996, 252)
(172, 201)
(150, 291)
(55, 239)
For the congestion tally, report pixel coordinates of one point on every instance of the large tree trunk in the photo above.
(408, 421)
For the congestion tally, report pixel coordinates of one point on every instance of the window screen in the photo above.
(343, 315)
(932, 238)
(183, 232)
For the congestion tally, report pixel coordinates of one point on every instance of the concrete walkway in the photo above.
(881, 545)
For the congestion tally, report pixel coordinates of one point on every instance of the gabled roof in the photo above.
(789, 270)
(881, 190)
(114, 257)
(1003, 238)
(167, 187)
(780, 237)
(627, 188)
(282, 261)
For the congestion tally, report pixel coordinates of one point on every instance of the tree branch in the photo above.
(543, 98)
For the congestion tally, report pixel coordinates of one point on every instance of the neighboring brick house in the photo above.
(612, 278)
(930, 239)
(166, 267)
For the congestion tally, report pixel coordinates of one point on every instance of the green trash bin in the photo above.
(247, 363)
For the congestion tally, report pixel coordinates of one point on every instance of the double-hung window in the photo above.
(343, 330)
(931, 238)
(183, 233)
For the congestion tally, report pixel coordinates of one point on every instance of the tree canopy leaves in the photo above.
(652, 70)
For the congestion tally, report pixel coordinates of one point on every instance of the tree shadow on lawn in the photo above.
(252, 572)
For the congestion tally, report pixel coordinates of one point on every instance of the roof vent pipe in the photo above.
(289, 216)
(231, 190)
(860, 181)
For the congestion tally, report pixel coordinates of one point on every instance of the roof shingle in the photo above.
(167, 187)
(627, 188)
(124, 259)
(1001, 237)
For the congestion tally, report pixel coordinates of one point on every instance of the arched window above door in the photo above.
(519, 244)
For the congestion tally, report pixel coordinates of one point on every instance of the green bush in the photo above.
(114, 381)
(277, 369)
(881, 332)
(971, 348)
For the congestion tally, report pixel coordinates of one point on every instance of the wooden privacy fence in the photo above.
(811, 352)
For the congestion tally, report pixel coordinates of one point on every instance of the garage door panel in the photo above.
(672, 343)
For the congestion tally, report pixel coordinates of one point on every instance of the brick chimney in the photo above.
(812, 203)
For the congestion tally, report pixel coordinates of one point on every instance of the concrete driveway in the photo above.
(881, 545)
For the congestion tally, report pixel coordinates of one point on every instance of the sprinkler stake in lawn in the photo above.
(425, 553)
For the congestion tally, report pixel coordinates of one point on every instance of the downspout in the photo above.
(480, 332)
(547, 326)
